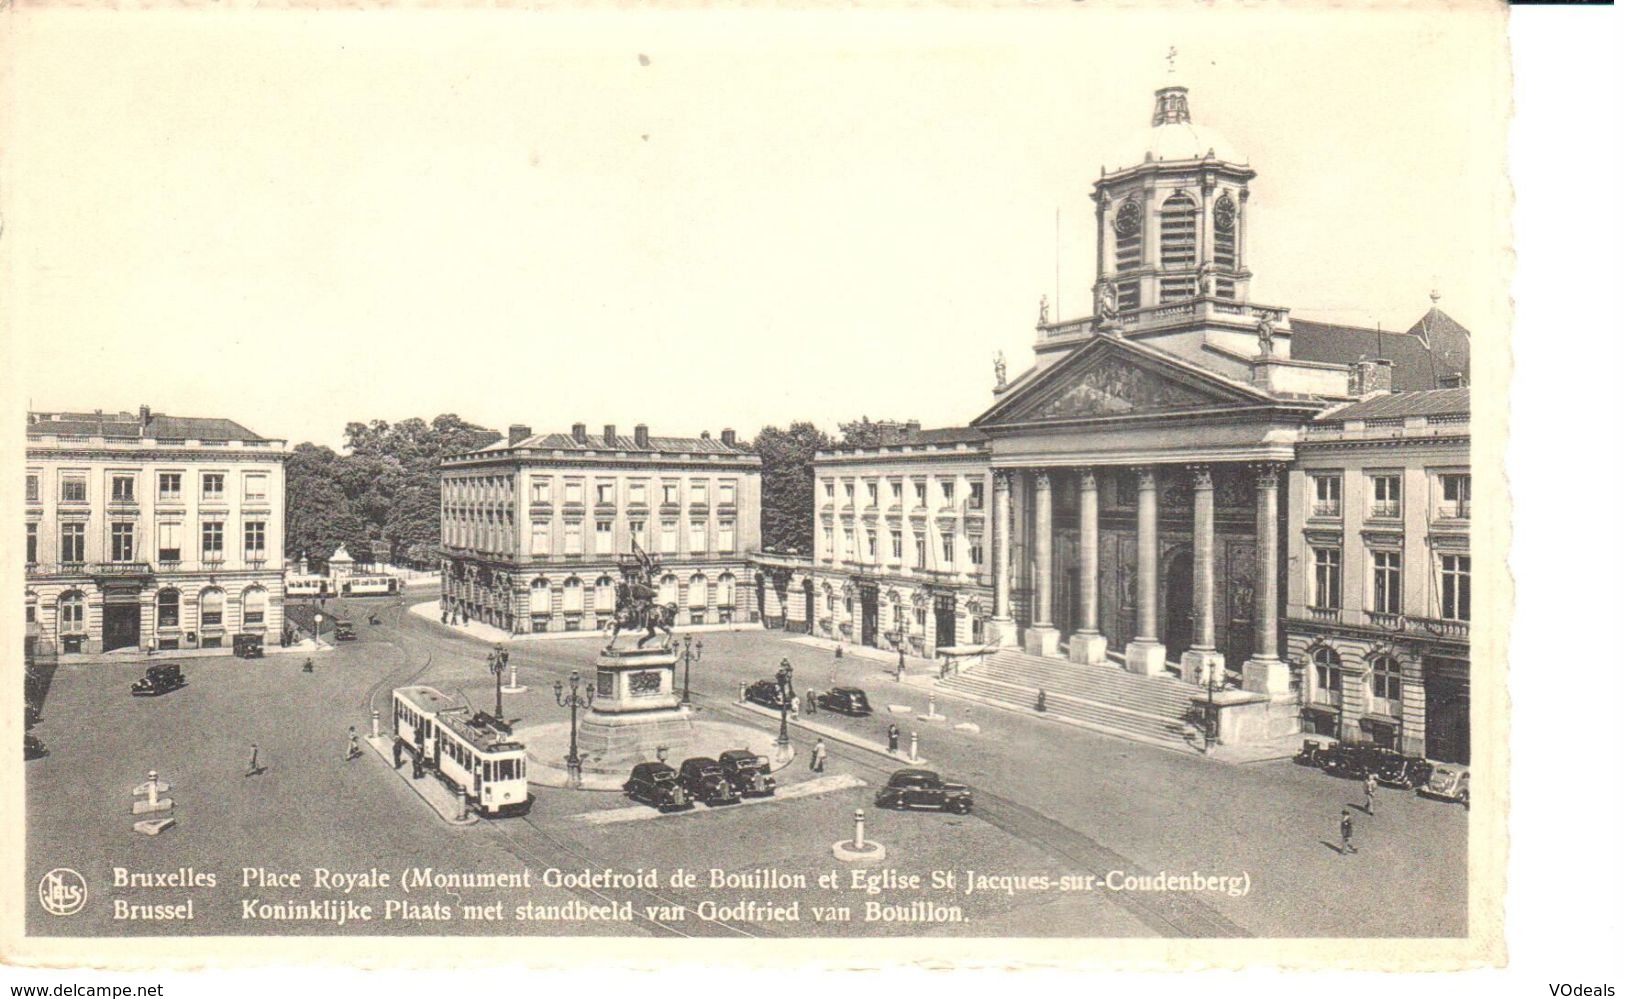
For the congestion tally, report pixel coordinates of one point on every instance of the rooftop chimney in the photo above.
(578, 431)
(640, 435)
(912, 426)
(146, 416)
(705, 435)
(1372, 376)
(728, 436)
(516, 433)
(609, 435)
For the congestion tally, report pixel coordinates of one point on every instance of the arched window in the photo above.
(541, 597)
(254, 601)
(725, 590)
(603, 595)
(668, 589)
(1328, 675)
(212, 607)
(696, 590)
(1178, 231)
(169, 608)
(1385, 685)
(573, 595)
(829, 599)
(70, 613)
(1224, 231)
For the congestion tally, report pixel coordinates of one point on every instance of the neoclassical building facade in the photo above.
(534, 526)
(150, 531)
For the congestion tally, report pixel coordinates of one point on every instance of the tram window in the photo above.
(485, 770)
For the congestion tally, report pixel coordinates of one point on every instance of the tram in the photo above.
(305, 586)
(474, 759)
(370, 586)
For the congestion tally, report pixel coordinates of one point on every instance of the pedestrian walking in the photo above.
(1371, 794)
(812, 702)
(355, 746)
(442, 617)
(838, 653)
(253, 760)
(795, 706)
(818, 755)
(891, 739)
(1347, 829)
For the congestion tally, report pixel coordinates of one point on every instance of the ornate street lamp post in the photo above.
(1211, 722)
(493, 662)
(574, 701)
(691, 650)
(786, 691)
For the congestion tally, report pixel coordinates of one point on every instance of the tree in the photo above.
(864, 432)
(787, 486)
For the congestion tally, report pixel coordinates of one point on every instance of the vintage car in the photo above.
(748, 773)
(656, 785)
(846, 701)
(1447, 783)
(765, 693)
(1406, 772)
(908, 789)
(160, 679)
(703, 779)
(1353, 760)
(33, 748)
(343, 631)
(248, 646)
(1313, 754)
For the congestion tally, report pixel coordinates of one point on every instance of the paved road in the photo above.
(1052, 802)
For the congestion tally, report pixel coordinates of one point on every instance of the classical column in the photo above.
(1042, 638)
(1202, 657)
(1003, 626)
(1088, 644)
(1265, 673)
(1146, 655)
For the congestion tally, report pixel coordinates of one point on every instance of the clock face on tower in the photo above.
(1128, 219)
(1224, 214)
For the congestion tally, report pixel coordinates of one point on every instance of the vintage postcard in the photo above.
(954, 484)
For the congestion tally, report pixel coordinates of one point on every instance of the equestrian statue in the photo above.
(635, 606)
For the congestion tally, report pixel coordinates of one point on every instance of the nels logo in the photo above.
(62, 892)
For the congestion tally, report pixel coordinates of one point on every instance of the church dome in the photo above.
(1172, 136)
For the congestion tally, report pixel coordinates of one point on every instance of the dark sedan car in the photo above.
(160, 679)
(910, 789)
(703, 779)
(765, 693)
(748, 773)
(1405, 772)
(656, 785)
(846, 701)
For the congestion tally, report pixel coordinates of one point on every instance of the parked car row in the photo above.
(841, 700)
(1391, 768)
(737, 774)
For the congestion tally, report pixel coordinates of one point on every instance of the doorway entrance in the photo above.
(810, 615)
(945, 620)
(869, 597)
(121, 626)
(1448, 732)
(1176, 600)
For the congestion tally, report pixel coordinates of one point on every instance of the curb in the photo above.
(378, 746)
(835, 735)
(1170, 746)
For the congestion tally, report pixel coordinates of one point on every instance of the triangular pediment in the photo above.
(1111, 378)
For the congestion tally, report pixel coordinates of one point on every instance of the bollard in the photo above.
(375, 723)
(742, 693)
(857, 833)
(914, 747)
(152, 789)
(462, 814)
(931, 705)
(513, 676)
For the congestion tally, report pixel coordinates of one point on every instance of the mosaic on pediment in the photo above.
(1113, 387)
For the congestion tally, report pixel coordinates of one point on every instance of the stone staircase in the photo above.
(1101, 697)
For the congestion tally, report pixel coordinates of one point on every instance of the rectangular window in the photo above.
(847, 544)
(897, 492)
(33, 544)
(604, 537)
(169, 485)
(697, 493)
(256, 488)
(976, 495)
(919, 494)
(1456, 587)
(874, 544)
(947, 551)
(32, 493)
(1385, 685)
(73, 488)
(214, 485)
(572, 491)
(1458, 495)
(696, 535)
(829, 542)
(214, 540)
(1385, 496)
(874, 493)
(73, 543)
(541, 537)
(606, 492)
(1328, 681)
(638, 494)
(727, 493)
(976, 550)
(122, 542)
(849, 492)
(123, 489)
(948, 491)
(725, 536)
(572, 537)
(1326, 495)
(919, 551)
(829, 489)
(541, 490)
(169, 542)
(1385, 580)
(1328, 578)
(668, 537)
(254, 540)
(668, 493)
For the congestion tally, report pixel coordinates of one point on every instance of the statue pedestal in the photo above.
(635, 712)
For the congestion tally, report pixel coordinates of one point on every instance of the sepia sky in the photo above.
(689, 219)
